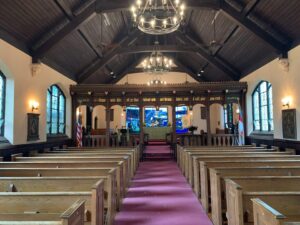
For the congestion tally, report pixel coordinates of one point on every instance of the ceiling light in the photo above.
(158, 17)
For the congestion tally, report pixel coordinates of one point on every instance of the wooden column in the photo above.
(174, 137)
(107, 116)
(141, 126)
(208, 124)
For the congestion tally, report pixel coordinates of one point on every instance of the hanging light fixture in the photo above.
(158, 17)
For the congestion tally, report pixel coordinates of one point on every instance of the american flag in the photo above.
(79, 135)
(241, 129)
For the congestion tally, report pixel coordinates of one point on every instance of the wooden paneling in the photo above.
(28, 19)
(283, 15)
(201, 23)
(111, 28)
(72, 52)
(244, 49)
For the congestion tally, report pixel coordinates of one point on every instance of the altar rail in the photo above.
(201, 140)
(116, 140)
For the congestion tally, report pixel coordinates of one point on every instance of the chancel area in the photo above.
(149, 112)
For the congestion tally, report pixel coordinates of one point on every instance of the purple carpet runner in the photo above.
(160, 195)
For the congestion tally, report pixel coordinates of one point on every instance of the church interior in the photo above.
(149, 112)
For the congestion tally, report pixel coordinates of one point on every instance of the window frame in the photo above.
(258, 91)
(60, 93)
(2, 76)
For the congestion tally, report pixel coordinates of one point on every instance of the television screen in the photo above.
(156, 118)
(133, 119)
(181, 113)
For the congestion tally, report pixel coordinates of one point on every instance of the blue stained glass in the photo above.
(263, 107)
(133, 119)
(154, 118)
(55, 111)
(181, 111)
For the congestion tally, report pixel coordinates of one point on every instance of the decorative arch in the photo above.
(262, 107)
(56, 111)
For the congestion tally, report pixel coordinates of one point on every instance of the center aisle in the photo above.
(160, 195)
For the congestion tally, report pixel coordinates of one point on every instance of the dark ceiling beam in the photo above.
(64, 8)
(126, 69)
(88, 13)
(124, 5)
(247, 24)
(186, 69)
(249, 7)
(228, 69)
(109, 56)
(160, 48)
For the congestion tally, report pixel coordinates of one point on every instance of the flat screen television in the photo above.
(133, 119)
(181, 111)
(156, 118)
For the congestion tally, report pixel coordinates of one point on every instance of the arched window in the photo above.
(2, 103)
(262, 99)
(56, 111)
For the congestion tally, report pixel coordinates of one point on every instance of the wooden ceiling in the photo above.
(93, 41)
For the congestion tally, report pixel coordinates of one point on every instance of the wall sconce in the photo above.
(286, 102)
(237, 110)
(34, 105)
(191, 112)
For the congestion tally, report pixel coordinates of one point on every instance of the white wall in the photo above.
(216, 117)
(284, 84)
(23, 87)
(170, 78)
(196, 119)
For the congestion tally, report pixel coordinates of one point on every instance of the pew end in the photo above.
(265, 215)
(74, 215)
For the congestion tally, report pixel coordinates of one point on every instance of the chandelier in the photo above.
(158, 17)
(157, 63)
(156, 81)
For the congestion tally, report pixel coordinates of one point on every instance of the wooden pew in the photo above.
(108, 175)
(271, 211)
(135, 150)
(92, 186)
(187, 155)
(189, 165)
(217, 183)
(121, 175)
(130, 153)
(205, 166)
(71, 215)
(238, 198)
(197, 164)
(77, 159)
(180, 150)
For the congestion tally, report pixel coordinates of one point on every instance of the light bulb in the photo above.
(182, 7)
(148, 83)
(175, 19)
(152, 23)
(133, 9)
(177, 2)
(139, 3)
(142, 20)
(165, 23)
(170, 62)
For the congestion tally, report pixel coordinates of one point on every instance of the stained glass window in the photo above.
(2, 103)
(56, 111)
(262, 100)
